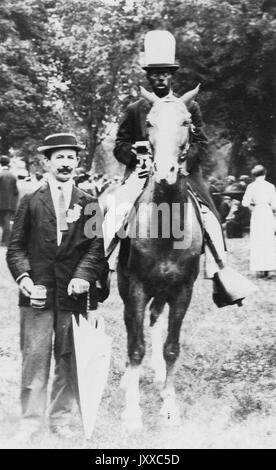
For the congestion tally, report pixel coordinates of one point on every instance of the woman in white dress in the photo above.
(260, 197)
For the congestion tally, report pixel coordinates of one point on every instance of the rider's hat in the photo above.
(159, 50)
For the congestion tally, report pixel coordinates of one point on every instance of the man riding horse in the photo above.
(131, 148)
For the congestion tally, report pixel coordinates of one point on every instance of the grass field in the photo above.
(226, 375)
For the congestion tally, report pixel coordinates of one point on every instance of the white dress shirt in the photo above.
(67, 191)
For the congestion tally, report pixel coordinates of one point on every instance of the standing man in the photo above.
(8, 198)
(49, 247)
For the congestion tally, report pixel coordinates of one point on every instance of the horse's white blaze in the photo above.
(168, 135)
(158, 363)
(132, 415)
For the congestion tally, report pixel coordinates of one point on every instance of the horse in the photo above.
(160, 270)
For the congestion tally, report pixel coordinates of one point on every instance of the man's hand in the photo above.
(77, 286)
(26, 285)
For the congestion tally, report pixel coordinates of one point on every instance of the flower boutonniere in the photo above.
(73, 214)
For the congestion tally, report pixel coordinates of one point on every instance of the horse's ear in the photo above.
(151, 97)
(188, 98)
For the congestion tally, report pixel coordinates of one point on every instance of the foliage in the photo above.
(96, 45)
(230, 47)
(26, 111)
(75, 64)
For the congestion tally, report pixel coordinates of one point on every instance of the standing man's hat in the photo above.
(159, 50)
(55, 141)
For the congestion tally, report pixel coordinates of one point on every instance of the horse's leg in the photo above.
(158, 363)
(134, 319)
(178, 308)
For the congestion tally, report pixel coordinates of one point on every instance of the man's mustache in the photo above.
(65, 169)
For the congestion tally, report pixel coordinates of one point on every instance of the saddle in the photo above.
(130, 216)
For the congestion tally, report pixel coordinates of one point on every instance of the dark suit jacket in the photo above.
(33, 249)
(8, 191)
(132, 128)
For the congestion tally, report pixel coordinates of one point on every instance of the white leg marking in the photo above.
(132, 416)
(158, 363)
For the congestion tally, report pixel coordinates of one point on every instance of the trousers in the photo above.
(41, 331)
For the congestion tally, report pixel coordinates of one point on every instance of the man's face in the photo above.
(160, 81)
(62, 164)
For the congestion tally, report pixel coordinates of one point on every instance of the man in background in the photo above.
(8, 198)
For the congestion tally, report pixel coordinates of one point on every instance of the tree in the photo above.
(26, 111)
(96, 45)
(230, 47)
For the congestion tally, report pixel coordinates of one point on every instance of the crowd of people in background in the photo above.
(247, 204)
(227, 194)
(234, 198)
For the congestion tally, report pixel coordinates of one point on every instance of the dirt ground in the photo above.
(225, 381)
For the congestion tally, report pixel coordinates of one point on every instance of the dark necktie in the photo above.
(63, 226)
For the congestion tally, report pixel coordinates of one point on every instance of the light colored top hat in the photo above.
(159, 50)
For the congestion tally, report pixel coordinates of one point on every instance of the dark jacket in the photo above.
(8, 190)
(33, 249)
(132, 129)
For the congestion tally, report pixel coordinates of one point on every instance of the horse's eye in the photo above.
(186, 122)
(148, 124)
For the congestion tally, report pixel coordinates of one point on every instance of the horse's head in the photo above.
(168, 124)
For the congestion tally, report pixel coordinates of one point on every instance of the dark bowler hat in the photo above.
(62, 140)
(4, 160)
(235, 191)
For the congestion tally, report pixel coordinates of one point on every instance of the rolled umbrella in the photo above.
(92, 352)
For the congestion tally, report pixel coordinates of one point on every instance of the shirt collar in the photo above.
(54, 183)
(170, 94)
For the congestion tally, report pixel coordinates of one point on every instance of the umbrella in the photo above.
(92, 351)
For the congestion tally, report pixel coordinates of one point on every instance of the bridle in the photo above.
(187, 99)
(182, 154)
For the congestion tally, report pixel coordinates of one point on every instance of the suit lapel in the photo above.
(76, 197)
(46, 199)
(144, 110)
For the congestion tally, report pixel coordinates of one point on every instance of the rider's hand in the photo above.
(26, 285)
(77, 286)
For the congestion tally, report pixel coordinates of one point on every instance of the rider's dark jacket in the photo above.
(132, 129)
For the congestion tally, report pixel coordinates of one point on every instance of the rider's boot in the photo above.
(229, 287)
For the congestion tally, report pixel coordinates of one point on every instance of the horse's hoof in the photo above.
(132, 426)
(132, 422)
